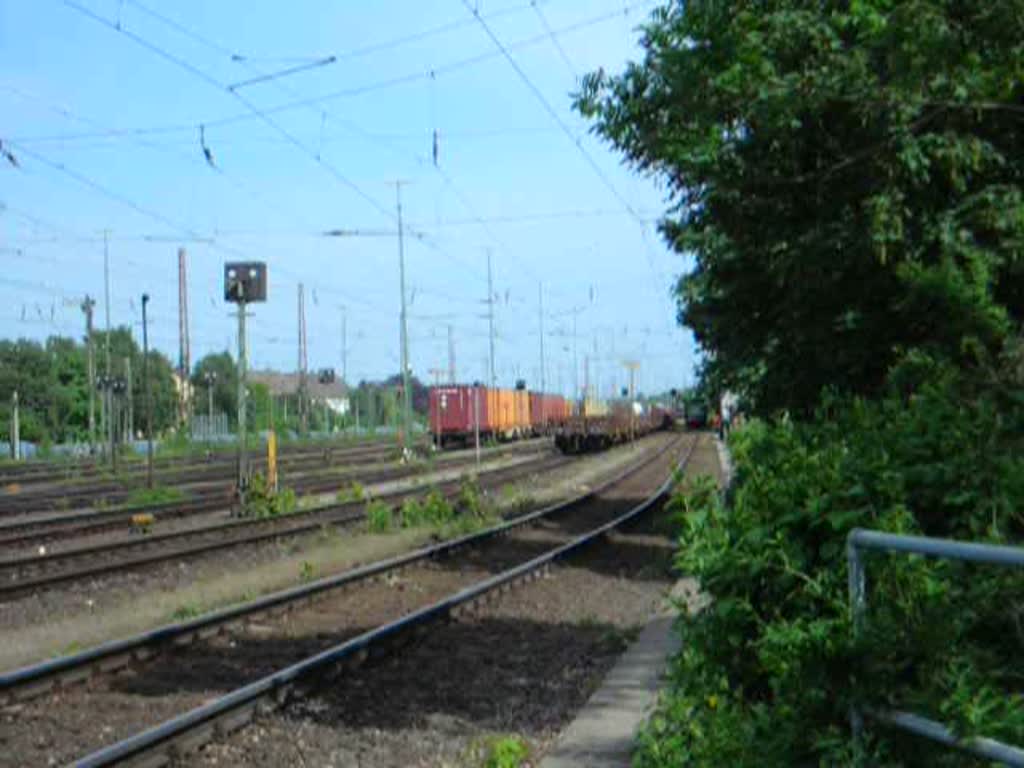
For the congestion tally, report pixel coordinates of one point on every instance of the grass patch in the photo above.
(261, 501)
(187, 611)
(509, 751)
(378, 517)
(433, 509)
(354, 494)
(147, 497)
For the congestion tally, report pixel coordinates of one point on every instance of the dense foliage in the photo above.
(52, 382)
(769, 668)
(846, 175)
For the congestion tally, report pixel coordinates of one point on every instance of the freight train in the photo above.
(458, 412)
(602, 425)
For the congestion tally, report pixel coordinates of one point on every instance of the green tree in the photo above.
(846, 176)
(225, 389)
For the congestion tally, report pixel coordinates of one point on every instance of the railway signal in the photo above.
(245, 282)
(145, 393)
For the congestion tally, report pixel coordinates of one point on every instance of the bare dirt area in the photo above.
(55, 729)
(522, 666)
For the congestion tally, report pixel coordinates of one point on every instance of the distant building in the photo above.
(332, 394)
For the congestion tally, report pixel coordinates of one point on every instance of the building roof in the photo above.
(288, 384)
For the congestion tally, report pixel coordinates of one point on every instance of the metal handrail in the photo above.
(949, 549)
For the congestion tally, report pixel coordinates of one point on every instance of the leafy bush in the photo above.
(506, 752)
(471, 499)
(769, 670)
(261, 500)
(354, 494)
(433, 509)
(378, 516)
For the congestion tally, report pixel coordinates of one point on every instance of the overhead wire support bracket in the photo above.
(327, 60)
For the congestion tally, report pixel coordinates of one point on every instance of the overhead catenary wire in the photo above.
(214, 83)
(576, 140)
(315, 154)
(359, 90)
(554, 40)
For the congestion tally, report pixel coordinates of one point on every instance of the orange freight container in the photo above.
(521, 414)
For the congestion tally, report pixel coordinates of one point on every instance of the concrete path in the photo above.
(602, 734)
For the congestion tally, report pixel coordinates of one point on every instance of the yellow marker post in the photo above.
(272, 461)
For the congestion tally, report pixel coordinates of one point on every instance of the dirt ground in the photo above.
(80, 615)
(55, 729)
(523, 666)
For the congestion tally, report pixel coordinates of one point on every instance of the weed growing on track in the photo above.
(504, 752)
(186, 611)
(261, 501)
(355, 493)
(472, 500)
(307, 572)
(146, 497)
(434, 509)
(378, 516)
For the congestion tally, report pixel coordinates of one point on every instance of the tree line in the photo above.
(52, 382)
(847, 181)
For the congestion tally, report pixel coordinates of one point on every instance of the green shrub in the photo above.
(261, 501)
(433, 509)
(355, 493)
(506, 752)
(471, 499)
(378, 516)
(769, 671)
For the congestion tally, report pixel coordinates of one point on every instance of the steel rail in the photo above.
(196, 727)
(54, 489)
(57, 471)
(338, 514)
(36, 679)
(49, 527)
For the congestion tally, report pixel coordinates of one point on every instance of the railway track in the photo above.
(47, 528)
(464, 572)
(197, 479)
(30, 473)
(30, 574)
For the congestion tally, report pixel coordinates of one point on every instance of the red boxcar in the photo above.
(452, 413)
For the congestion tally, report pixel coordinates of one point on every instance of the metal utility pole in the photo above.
(129, 425)
(145, 393)
(476, 422)
(184, 349)
(451, 354)
(344, 345)
(575, 362)
(438, 374)
(633, 366)
(406, 386)
(540, 316)
(243, 456)
(490, 317)
(108, 402)
(87, 306)
(303, 406)
(15, 428)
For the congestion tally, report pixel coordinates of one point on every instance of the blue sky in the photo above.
(104, 118)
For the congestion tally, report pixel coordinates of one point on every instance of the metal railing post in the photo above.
(858, 603)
